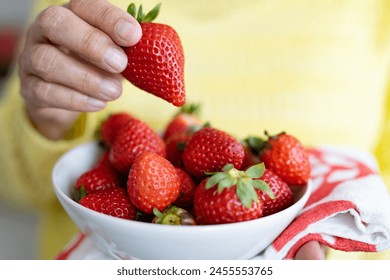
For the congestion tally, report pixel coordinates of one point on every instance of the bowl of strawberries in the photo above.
(192, 191)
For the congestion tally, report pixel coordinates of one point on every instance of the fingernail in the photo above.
(116, 59)
(110, 88)
(128, 32)
(96, 104)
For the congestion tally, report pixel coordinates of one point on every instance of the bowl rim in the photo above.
(147, 225)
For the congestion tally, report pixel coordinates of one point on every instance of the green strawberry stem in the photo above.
(181, 146)
(168, 217)
(79, 193)
(140, 16)
(255, 144)
(190, 108)
(157, 213)
(275, 136)
(243, 180)
(173, 216)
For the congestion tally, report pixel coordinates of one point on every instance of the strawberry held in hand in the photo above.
(156, 62)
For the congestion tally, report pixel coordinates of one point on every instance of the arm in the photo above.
(63, 69)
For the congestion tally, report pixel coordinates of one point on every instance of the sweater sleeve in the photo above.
(382, 148)
(382, 151)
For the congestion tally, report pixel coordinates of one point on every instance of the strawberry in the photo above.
(174, 216)
(109, 128)
(186, 120)
(103, 160)
(179, 131)
(230, 196)
(152, 182)
(156, 62)
(187, 189)
(283, 194)
(113, 202)
(175, 145)
(134, 138)
(250, 145)
(209, 150)
(285, 155)
(101, 177)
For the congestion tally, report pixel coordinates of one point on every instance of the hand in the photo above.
(311, 250)
(72, 60)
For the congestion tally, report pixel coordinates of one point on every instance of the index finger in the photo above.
(119, 25)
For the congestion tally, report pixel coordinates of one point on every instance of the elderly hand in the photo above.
(71, 62)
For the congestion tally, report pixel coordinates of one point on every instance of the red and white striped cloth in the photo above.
(348, 210)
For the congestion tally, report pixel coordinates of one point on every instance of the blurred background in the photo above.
(17, 228)
(13, 15)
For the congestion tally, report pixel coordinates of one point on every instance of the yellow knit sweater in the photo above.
(317, 69)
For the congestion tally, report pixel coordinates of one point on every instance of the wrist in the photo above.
(51, 123)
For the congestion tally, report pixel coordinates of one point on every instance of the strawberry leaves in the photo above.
(173, 216)
(140, 16)
(79, 193)
(243, 180)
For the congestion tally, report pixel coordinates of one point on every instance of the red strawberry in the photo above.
(134, 138)
(186, 120)
(250, 145)
(152, 183)
(187, 189)
(175, 147)
(179, 131)
(283, 194)
(230, 196)
(156, 62)
(113, 202)
(285, 155)
(103, 160)
(209, 150)
(101, 177)
(111, 125)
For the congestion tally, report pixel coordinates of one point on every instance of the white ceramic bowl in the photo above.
(126, 239)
